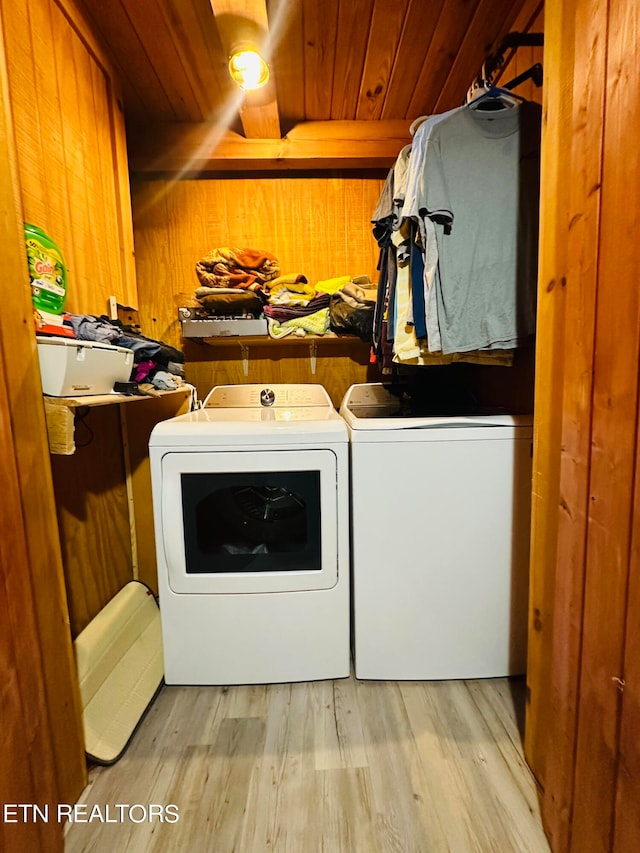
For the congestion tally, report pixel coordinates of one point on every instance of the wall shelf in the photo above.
(311, 342)
(288, 340)
(61, 413)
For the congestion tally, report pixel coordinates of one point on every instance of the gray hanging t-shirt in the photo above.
(480, 186)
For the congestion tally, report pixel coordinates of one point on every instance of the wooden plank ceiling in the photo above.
(337, 67)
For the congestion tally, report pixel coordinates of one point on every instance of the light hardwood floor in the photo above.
(338, 766)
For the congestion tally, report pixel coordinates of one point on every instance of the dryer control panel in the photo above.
(259, 396)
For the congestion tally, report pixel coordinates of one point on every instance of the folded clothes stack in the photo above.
(229, 301)
(309, 318)
(233, 281)
(246, 284)
(289, 290)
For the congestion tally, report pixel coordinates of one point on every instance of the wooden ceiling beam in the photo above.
(182, 148)
(241, 21)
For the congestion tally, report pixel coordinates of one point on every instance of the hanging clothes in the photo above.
(462, 230)
(479, 187)
(383, 219)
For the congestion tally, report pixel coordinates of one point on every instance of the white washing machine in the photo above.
(251, 511)
(439, 540)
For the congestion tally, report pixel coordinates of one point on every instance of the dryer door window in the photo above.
(258, 522)
(250, 521)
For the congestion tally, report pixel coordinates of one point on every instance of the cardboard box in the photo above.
(73, 368)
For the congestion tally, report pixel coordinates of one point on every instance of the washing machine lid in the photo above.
(372, 407)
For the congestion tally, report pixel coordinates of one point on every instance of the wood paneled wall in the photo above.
(336, 364)
(585, 730)
(554, 223)
(93, 514)
(319, 226)
(69, 132)
(65, 160)
(104, 502)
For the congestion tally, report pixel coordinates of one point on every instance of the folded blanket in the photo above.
(248, 269)
(291, 289)
(199, 292)
(289, 312)
(292, 280)
(286, 297)
(229, 301)
(277, 330)
(314, 324)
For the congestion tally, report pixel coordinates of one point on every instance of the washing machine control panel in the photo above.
(259, 396)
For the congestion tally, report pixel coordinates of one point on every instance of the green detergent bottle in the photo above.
(46, 270)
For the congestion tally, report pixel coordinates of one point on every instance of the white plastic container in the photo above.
(73, 368)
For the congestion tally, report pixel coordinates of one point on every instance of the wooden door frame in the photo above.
(42, 652)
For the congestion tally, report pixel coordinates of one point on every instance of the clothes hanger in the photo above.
(415, 124)
(495, 98)
(476, 89)
(480, 85)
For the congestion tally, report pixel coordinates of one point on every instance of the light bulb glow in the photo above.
(248, 69)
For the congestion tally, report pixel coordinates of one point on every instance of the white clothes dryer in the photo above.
(439, 539)
(251, 513)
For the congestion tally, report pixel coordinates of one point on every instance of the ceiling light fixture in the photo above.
(248, 69)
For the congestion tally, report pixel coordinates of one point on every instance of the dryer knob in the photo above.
(267, 397)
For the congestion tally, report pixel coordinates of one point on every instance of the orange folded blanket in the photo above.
(247, 269)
